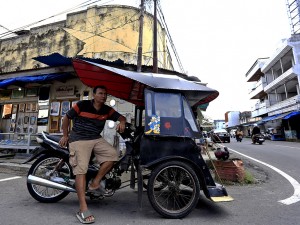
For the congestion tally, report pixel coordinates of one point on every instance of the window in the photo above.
(167, 105)
(189, 116)
(149, 105)
(7, 110)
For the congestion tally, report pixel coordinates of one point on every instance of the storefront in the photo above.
(24, 109)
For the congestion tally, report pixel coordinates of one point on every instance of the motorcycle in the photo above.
(50, 177)
(239, 138)
(258, 138)
(161, 151)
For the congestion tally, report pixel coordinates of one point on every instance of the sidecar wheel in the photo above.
(40, 168)
(146, 176)
(180, 192)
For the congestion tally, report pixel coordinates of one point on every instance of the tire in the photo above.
(180, 192)
(40, 168)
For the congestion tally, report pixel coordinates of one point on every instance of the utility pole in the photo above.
(155, 67)
(140, 47)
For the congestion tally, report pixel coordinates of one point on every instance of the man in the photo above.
(255, 130)
(89, 118)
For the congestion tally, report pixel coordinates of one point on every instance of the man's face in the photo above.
(100, 95)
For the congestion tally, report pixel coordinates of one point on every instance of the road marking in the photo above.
(288, 201)
(11, 178)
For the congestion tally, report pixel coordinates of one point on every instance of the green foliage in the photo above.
(248, 179)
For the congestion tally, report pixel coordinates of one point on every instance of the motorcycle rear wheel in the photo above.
(180, 192)
(41, 168)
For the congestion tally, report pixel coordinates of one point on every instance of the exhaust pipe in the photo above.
(48, 183)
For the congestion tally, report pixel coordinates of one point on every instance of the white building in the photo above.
(276, 87)
(233, 119)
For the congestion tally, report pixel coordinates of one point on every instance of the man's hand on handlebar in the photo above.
(121, 127)
(63, 141)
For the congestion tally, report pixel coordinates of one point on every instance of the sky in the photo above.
(217, 41)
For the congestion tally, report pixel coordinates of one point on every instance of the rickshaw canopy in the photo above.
(130, 85)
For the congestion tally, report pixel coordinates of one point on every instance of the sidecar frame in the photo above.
(167, 137)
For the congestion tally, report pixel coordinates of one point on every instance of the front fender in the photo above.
(42, 151)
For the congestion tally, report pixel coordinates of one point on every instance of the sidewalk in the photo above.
(13, 164)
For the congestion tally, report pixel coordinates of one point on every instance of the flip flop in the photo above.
(98, 190)
(82, 217)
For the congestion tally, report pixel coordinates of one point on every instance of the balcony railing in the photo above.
(259, 87)
(288, 75)
(260, 109)
(290, 103)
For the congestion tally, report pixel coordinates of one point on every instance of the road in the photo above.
(254, 204)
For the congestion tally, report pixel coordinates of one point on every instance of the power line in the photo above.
(170, 38)
(84, 4)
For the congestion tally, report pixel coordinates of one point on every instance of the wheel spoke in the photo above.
(178, 191)
(43, 170)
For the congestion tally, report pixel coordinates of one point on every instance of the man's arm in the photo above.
(65, 127)
(121, 126)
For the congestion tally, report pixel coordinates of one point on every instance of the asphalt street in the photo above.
(253, 204)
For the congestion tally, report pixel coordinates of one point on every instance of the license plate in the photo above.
(261, 139)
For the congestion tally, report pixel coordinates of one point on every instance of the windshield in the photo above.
(168, 114)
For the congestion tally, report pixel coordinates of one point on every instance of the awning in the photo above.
(21, 81)
(291, 115)
(54, 59)
(268, 118)
(57, 59)
(130, 85)
(280, 116)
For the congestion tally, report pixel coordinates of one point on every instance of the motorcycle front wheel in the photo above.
(180, 192)
(43, 167)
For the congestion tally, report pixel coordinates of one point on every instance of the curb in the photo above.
(14, 168)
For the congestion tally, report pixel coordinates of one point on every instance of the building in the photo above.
(276, 87)
(233, 119)
(37, 81)
(219, 124)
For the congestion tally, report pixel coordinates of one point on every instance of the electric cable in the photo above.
(84, 4)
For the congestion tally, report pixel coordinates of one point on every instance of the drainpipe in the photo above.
(155, 67)
(140, 48)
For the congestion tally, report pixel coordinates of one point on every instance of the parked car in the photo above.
(220, 135)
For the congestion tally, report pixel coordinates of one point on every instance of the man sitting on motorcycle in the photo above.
(89, 117)
(255, 130)
(239, 135)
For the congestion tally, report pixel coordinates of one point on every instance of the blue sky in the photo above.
(217, 41)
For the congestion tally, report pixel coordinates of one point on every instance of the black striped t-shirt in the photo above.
(88, 122)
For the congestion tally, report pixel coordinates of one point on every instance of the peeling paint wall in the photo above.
(107, 32)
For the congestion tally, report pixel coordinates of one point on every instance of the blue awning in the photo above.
(280, 116)
(291, 115)
(268, 118)
(54, 59)
(33, 79)
(57, 59)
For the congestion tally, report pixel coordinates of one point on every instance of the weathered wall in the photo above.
(107, 32)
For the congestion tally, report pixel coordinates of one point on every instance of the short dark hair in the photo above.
(99, 86)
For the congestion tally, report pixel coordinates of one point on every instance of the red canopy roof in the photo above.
(130, 85)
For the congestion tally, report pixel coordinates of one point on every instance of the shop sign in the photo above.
(62, 91)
